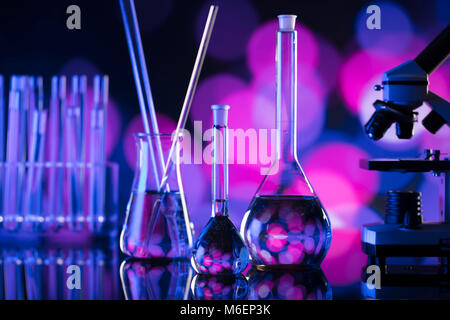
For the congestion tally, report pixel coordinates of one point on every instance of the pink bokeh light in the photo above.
(342, 159)
(210, 91)
(262, 45)
(357, 72)
(344, 261)
(337, 195)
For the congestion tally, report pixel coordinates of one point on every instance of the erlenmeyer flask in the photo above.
(285, 224)
(219, 249)
(157, 223)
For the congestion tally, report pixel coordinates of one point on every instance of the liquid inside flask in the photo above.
(219, 249)
(157, 224)
(286, 224)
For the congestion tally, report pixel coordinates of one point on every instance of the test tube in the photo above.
(10, 193)
(62, 203)
(2, 119)
(28, 210)
(75, 122)
(53, 143)
(2, 146)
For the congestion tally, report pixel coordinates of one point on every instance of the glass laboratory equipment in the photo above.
(309, 284)
(156, 279)
(219, 249)
(39, 273)
(231, 287)
(157, 223)
(285, 224)
(36, 204)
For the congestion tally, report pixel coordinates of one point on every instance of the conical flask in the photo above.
(157, 223)
(219, 249)
(285, 224)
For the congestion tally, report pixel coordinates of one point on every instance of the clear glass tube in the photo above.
(220, 171)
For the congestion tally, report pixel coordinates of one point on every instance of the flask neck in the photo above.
(220, 171)
(147, 173)
(286, 117)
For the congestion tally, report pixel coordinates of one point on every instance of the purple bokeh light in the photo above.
(343, 159)
(344, 261)
(210, 91)
(393, 38)
(77, 66)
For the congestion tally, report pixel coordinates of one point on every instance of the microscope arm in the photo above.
(440, 114)
(435, 53)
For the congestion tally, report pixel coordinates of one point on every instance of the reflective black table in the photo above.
(95, 270)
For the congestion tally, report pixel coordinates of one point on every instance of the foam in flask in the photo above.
(219, 249)
(286, 224)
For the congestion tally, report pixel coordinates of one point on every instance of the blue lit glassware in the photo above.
(285, 224)
(219, 249)
(232, 287)
(34, 273)
(157, 224)
(156, 279)
(309, 284)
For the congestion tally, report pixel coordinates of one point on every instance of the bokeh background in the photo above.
(340, 60)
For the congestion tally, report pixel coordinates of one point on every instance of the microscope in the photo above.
(404, 233)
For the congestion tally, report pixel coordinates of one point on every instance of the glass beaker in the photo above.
(157, 223)
(285, 224)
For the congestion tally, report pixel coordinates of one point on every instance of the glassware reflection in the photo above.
(310, 284)
(228, 287)
(58, 274)
(156, 279)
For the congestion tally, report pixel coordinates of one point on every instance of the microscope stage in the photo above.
(391, 240)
